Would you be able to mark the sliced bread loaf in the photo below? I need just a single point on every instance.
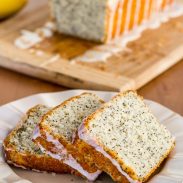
(105, 20)
(58, 127)
(125, 139)
(21, 151)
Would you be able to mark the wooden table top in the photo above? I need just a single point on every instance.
(167, 89)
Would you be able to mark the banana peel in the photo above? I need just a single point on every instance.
(10, 7)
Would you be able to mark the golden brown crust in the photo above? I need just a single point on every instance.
(111, 168)
(31, 161)
(158, 165)
(100, 161)
(35, 162)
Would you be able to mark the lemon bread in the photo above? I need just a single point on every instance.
(104, 20)
(124, 139)
(58, 127)
(21, 151)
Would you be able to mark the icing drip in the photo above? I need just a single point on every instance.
(137, 13)
(29, 38)
(120, 13)
(64, 156)
(128, 16)
(83, 135)
(96, 55)
(112, 7)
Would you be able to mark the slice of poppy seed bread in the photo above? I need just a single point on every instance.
(58, 127)
(21, 151)
(125, 139)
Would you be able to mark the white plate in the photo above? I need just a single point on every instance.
(10, 114)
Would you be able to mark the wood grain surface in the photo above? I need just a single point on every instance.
(149, 56)
(167, 89)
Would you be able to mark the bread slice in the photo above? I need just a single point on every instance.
(22, 152)
(58, 127)
(125, 139)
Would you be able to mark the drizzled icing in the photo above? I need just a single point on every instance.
(63, 155)
(83, 135)
(95, 55)
(112, 6)
(31, 38)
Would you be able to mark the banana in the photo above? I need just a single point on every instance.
(10, 7)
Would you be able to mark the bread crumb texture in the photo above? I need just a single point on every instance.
(128, 128)
(22, 138)
(66, 118)
(78, 17)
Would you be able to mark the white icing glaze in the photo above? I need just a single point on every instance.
(122, 41)
(29, 38)
(119, 44)
(64, 156)
(83, 135)
(158, 4)
(112, 6)
(49, 138)
(146, 10)
(120, 13)
(102, 53)
(128, 16)
(137, 13)
(108, 48)
(73, 163)
(45, 32)
(55, 156)
(51, 26)
(92, 56)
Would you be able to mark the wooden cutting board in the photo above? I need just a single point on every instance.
(149, 56)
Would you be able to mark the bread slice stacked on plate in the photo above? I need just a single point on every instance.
(57, 128)
(84, 136)
(124, 139)
(22, 152)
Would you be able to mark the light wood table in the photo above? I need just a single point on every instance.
(167, 89)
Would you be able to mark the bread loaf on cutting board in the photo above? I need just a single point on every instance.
(104, 20)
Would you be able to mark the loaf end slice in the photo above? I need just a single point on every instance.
(21, 151)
